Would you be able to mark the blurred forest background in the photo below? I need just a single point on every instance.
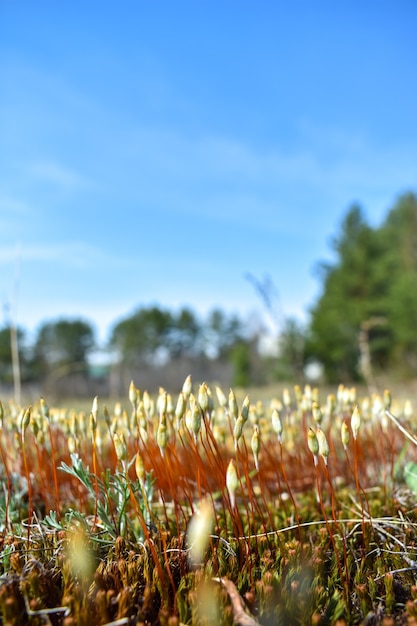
(362, 326)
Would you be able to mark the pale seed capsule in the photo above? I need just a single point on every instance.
(139, 468)
(345, 435)
(198, 532)
(286, 398)
(25, 419)
(323, 444)
(162, 437)
(44, 408)
(253, 415)
(40, 437)
(133, 394)
(73, 423)
(260, 409)
(132, 422)
(276, 404)
(143, 434)
(238, 429)
(93, 424)
(355, 421)
(210, 401)
(141, 417)
(125, 420)
(308, 393)
(189, 420)
(35, 424)
(192, 402)
(120, 447)
(113, 426)
(193, 417)
(315, 395)
(221, 397)
(305, 404)
(232, 482)
(277, 424)
(331, 404)
(256, 446)
(180, 408)
(202, 398)
(170, 404)
(298, 394)
(43, 425)
(219, 434)
(317, 413)
(196, 421)
(187, 386)
(313, 444)
(339, 395)
(99, 440)
(107, 417)
(244, 411)
(233, 407)
(148, 404)
(377, 405)
(346, 397)
(94, 408)
(161, 402)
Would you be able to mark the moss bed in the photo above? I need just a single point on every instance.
(199, 509)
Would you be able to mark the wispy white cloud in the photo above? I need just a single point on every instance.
(12, 211)
(318, 159)
(54, 173)
(224, 177)
(227, 158)
(221, 177)
(74, 254)
(13, 214)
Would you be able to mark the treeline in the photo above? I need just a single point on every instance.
(59, 359)
(363, 324)
(365, 321)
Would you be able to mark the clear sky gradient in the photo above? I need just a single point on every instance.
(153, 152)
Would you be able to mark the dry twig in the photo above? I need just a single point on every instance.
(240, 615)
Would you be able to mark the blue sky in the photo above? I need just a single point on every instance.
(155, 152)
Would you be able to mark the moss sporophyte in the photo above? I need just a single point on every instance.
(205, 507)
